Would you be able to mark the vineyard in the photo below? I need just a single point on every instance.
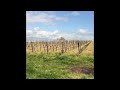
(60, 46)
(60, 59)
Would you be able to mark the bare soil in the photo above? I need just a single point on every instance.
(84, 70)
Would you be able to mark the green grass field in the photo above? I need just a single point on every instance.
(56, 66)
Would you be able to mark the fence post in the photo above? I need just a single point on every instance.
(40, 45)
(62, 51)
(79, 47)
(65, 46)
(32, 46)
(47, 46)
(44, 47)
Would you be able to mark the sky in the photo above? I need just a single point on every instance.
(50, 25)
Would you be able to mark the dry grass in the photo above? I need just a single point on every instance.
(89, 50)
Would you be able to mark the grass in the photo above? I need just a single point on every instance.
(55, 66)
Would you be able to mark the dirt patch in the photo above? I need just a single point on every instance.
(84, 70)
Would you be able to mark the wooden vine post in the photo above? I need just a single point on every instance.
(47, 46)
(32, 46)
(62, 51)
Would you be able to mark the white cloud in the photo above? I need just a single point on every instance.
(85, 34)
(44, 18)
(39, 34)
(41, 18)
(75, 13)
(36, 28)
(55, 32)
(83, 31)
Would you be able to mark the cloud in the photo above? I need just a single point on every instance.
(36, 28)
(75, 13)
(39, 34)
(48, 18)
(40, 18)
(83, 31)
(85, 34)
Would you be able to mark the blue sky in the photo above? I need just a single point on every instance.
(54, 24)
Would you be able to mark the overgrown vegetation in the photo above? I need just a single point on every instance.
(56, 66)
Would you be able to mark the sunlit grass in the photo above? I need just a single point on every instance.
(54, 66)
